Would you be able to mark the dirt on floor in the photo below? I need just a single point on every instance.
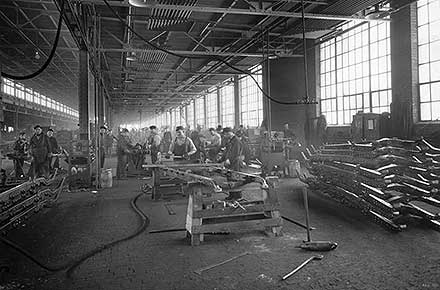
(368, 256)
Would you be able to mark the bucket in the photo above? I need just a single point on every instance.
(106, 178)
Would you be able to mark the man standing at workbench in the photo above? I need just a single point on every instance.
(154, 144)
(182, 146)
(123, 150)
(214, 144)
(234, 148)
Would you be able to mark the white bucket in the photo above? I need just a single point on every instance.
(106, 178)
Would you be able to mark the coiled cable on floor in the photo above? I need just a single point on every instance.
(70, 267)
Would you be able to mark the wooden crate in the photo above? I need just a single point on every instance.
(262, 214)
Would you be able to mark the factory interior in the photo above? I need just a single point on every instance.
(229, 144)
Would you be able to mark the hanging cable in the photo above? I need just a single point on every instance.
(50, 57)
(300, 102)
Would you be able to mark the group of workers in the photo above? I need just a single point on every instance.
(222, 145)
(42, 150)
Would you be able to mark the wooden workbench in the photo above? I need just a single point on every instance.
(165, 186)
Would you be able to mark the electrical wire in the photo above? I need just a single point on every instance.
(301, 102)
(71, 266)
(50, 57)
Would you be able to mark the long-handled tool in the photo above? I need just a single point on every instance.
(201, 270)
(315, 245)
(317, 257)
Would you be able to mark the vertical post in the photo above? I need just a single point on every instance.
(219, 108)
(237, 101)
(404, 73)
(83, 95)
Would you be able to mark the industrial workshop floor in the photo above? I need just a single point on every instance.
(368, 257)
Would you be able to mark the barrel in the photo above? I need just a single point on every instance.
(106, 178)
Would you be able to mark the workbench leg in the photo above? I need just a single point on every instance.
(156, 184)
(193, 224)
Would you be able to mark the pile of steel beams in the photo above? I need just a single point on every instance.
(20, 202)
(396, 182)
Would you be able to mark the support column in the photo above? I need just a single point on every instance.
(237, 102)
(219, 109)
(266, 102)
(83, 96)
(287, 84)
(404, 73)
(100, 105)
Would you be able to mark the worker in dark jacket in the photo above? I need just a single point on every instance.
(123, 151)
(232, 157)
(40, 150)
(54, 161)
(20, 152)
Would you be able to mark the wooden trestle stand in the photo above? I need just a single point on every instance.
(262, 214)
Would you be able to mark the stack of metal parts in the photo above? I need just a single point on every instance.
(393, 181)
(21, 201)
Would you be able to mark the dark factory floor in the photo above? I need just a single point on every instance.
(368, 257)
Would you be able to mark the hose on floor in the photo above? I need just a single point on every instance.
(70, 267)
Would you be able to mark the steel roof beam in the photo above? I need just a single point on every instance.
(193, 52)
(237, 11)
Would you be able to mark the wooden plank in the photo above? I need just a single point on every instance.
(222, 212)
(260, 224)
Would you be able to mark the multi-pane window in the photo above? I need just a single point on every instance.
(8, 87)
(200, 112)
(227, 105)
(251, 99)
(190, 115)
(355, 70)
(211, 109)
(428, 21)
(19, 91)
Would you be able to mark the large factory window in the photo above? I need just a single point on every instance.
(200, 112)
(428, 21)
(355, 72)
(190, 115)
(19, 91)
(211, 109)
(227, 105)
(8, 87)
(251, 99)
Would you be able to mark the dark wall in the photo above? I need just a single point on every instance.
(286, 81)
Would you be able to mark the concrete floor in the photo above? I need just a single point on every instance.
(368, 257)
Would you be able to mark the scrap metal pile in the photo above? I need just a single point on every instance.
(393, 181)
(21, 201)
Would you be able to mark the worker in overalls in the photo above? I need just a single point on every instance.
(54, 160)
(41, 151)
(154, 144)
(182, 147)
(233, 156)
(214, 144)
(20, 152)
(123, 150)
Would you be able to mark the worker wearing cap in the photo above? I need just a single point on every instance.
(154, 144)
(20, 151)
(232, 157)
(123, 150)
(182, 146)
(214, 144)
(54, 161)
(40, 149)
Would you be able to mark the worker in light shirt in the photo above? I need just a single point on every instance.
(154, 144)
(182, 146)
